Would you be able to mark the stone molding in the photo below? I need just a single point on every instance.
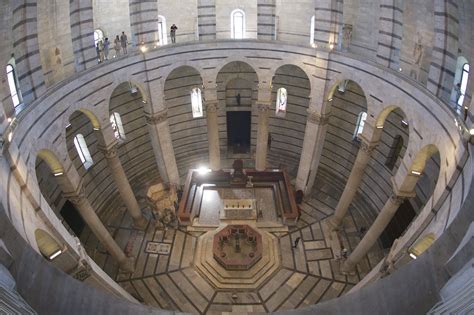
(156, 118)
(316, 118)
(110, 152)
(78, 196)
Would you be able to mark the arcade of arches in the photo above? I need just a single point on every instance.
(241, 169)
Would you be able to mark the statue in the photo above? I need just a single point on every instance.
(347, 36)
(418, 56)
(238, 176)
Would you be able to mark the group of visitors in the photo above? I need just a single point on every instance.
(120, 45)
(103, 46)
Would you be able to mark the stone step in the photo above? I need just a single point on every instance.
(218, 280)
(241, 275)
(207, 247)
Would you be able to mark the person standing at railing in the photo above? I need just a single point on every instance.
(124, 42)
(117, 46)
(173, 33)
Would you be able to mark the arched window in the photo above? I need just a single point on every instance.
(463, 84)
(237, 24)
(117, 126)
(162, 35)
(311, 31)
(360, 124)
(280, 106)
(98, 35)
(83, 151)
(196, 103)
(12, 83)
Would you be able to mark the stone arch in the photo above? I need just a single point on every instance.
(220, 66)
(179, 65)
(47, 245)
(188, 132)
(138, 84)
(231, 140)
(51, 160)
(287, 129)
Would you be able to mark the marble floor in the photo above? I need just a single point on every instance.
(308, 274)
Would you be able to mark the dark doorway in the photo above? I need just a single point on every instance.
(238, 131)
(399, 223)
(72, 218)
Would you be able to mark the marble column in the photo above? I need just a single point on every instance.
(262, 136)
(213, 136)
(315, 132)
(163, 146)
(374, 232)
(124, 188)
(78, 198)
(353, 182)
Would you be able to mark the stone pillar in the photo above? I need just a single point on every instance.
(315, 132)
(390, 33)
(353, 182)
(82, 33)
(144, 21)
(78, 198)
(374, 232)
(328, 17)
(163, 146)
(26, 49)
(126, 192)
(262, 136)
(213, 136)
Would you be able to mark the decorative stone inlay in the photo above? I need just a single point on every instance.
(317, 118)
(237, 247)
(83, 271)
(156, 118)
(158, 248)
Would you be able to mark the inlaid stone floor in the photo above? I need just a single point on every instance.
(308, 273)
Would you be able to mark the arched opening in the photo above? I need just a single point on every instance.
(83, 151)
(117, 126)
(49, 248)
(188, 133)
(288, 122)
(311, 30)
(237, 93)
(135, 150)
(461, 78)
(237, 24)
(426, 167)
(13, 83)
(359, 127)
(162, 31)
(98, 36)
(196, 103)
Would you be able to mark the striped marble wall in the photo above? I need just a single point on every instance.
(144, 21)
(445, 49)
(266, 19)
(206, 19)
(26, 49)
(82, 33)
(328, 21)
(390, 33)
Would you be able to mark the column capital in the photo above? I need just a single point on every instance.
(78, 196)
(156, 118)
(211, 107)
(317, 118)
(109, 152)
(367, 147)
(263, 107)
(396, 199)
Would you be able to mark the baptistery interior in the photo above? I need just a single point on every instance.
(223, 157)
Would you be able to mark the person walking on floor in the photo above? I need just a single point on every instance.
(173, 33)
(106, 48)
(124, 42)
(117, 46)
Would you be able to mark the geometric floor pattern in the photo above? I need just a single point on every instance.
(307, 275)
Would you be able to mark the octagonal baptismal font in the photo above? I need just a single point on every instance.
(237, 247)
(237, 256)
